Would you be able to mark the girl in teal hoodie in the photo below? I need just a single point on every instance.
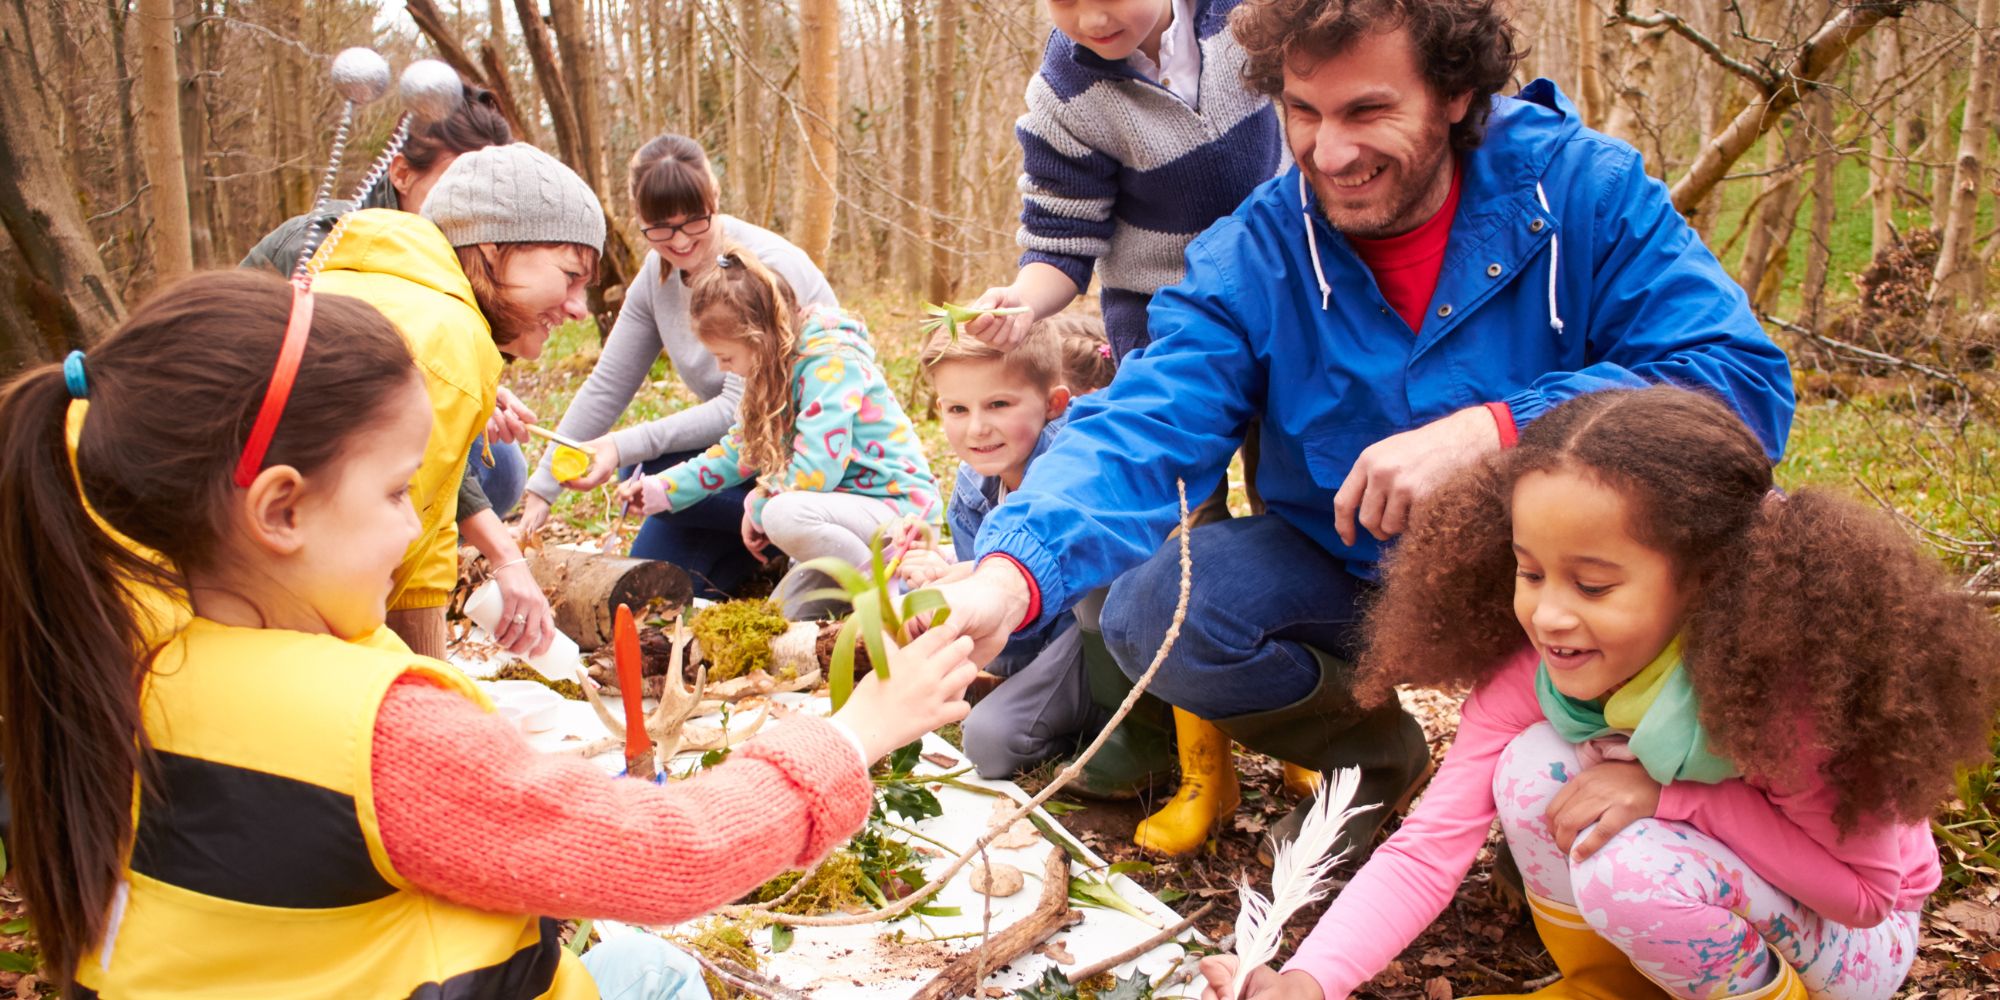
(832, 451)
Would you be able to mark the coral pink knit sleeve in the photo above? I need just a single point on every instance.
(469, 812)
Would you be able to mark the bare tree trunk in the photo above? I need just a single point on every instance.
(1944, 98)
(750, 115)
(1711, 90)
(580, 71)
(59, 283)
(160, 129)
(1632, 107)
(1953, 280)
(743, 121)
(195, 53)
(1884, 176)
(295, 180)
(1825, 51)
(128, 115)
(819, 74)
(911, 240)
(1819, 247)
(1589, 69)
(1766, 248)
(944, 64)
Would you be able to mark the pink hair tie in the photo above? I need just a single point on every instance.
(1104, 350)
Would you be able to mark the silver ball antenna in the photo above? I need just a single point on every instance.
(431, 90)
(360, 74)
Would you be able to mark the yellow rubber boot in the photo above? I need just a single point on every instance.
(1788, 986)
(1300, 782)
(1208, 794)
(1592, 968)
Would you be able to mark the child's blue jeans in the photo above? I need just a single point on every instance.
(706, 539)
(642, 967)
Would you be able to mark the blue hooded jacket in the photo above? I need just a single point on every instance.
(1567, 271)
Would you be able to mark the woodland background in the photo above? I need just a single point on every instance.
(1838, 155)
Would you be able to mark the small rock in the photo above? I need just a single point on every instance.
(996, 879)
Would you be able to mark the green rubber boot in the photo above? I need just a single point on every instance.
(1140, 752)
(1326, 730)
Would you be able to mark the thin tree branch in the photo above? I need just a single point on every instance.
(1762, 80)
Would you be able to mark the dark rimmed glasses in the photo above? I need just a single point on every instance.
(663, 232)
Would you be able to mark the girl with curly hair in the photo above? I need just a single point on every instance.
(1711, 718)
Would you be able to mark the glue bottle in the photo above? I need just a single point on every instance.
(563, 659)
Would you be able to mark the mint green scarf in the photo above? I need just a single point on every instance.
(1656, 711)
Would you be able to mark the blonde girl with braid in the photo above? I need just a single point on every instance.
(831, 450)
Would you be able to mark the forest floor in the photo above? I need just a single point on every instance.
(1864, 436)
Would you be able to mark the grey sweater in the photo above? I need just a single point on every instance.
(654, 319)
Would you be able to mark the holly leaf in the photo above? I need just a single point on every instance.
(1052, 986)
(1134, 987)
(912, 802)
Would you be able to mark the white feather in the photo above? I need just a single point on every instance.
(1298, 876)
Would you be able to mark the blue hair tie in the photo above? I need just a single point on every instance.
(79, 387)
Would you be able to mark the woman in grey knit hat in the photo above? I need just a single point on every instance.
(506, 244)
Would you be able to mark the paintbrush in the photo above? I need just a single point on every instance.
(543, 432)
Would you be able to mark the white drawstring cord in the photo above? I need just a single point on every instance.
(1312, 244)
(1555, 251)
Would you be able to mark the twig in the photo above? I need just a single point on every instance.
(1863, 352)
(1052, 912)
(744, 979)
(1679, 26)
(1143, 947)
(1067, 774)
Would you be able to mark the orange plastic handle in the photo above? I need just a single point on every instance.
(625, 655)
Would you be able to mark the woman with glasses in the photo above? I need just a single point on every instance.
(674, 194)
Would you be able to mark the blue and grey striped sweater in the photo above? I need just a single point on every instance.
(1122, 175)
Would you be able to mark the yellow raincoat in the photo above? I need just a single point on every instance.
(402, 265)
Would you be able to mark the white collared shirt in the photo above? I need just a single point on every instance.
(1179, 68)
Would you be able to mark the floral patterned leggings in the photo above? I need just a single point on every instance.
(1691, 915)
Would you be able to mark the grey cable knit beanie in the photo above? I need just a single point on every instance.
(514, 194)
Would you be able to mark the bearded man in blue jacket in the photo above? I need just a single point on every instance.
(1554, 265)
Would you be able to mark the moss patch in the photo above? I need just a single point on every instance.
(522, 672)
(736, 636)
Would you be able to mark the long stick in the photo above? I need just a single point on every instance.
(1099, 968)
(543, 432)
(1069, 773)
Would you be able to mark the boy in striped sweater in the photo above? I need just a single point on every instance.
(1139, 133)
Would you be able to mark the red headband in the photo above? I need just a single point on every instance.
(280, 388)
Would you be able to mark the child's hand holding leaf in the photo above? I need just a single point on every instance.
(925, 690)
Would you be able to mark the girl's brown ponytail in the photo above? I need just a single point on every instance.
(69, 691)
(171, 399)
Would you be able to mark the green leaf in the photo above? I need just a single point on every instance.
(1133, 987)
(917, 602)
(1087, 891)
(18, 925)
(581, 939)
(1052, 986)
(1049, 832)
(1170, 895)
(870, 618)
(1057, 807)
(936, 911)
(904, 758)
(840, 672)
(18, 961)
(714, 757)
(1129, 868)
(781, 938)
(842, 571)
(912, 802)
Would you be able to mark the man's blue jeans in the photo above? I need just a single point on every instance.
(504, 483)
(1261, 591)
(706, 539)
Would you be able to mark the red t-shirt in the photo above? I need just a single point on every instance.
(1406, 267)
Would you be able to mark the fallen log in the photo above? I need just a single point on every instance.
(585, 589)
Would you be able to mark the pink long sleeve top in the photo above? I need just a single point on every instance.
(1787, 837)
(469, 812)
